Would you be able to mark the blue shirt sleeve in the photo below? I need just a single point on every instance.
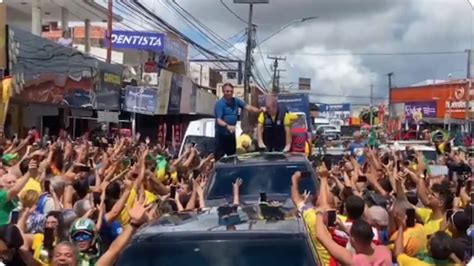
(241, 104)
(219, 110)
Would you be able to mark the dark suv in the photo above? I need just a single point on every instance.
(202, 240)
(267, 172)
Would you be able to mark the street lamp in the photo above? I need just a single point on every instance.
(286, 26)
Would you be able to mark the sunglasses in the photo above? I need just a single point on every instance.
(81, 237)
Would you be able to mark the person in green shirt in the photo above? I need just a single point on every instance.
(11, 187)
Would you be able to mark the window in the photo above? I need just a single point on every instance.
(234, 252)
(231, 75)
(272, 179)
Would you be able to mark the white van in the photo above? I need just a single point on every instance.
(201, 132)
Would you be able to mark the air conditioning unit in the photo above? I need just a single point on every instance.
(150, 79)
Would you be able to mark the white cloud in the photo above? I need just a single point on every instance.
(350, 27)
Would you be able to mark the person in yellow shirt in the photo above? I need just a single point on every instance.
(440, 251)
(124, 218)
(415, 240)
(309, 214)
(437, 200)
(32, 184)
(273, 129)
(244, 142)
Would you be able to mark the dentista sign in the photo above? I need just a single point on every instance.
(150, 41)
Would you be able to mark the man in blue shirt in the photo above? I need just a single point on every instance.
(226, 112)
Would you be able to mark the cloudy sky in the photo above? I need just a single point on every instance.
(352, 44)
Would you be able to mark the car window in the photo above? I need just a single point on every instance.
(205, 145)
(275, 252)
(272, 179)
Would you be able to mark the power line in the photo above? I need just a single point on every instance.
(201, 27)
(261, 56)
(347, 96)
(159, 21)
(373, 54)
(232, 12)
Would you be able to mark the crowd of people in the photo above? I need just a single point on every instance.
(79, 202)
(395, 207)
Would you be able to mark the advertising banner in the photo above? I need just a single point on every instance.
(46, 72)
(175, 94)
(304, 84)
(418, 110)
(150, 41)
(164, 89)
(106, 94)
(140, 100)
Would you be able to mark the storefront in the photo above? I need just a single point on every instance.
(164, 111)
(58, 87)
(443, 101)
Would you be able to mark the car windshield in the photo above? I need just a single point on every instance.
(274, 252)
(272, 179)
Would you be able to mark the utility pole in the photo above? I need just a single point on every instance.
(109, 30)
(390, 94)
(469, 88)
(279, 78)
(275, 70)
(248, 56)
(371, 103)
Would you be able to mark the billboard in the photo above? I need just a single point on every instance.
(142, 100)
(419, 110)
(304, 84)
(136, 40)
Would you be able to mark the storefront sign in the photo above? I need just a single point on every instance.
(141, 100)
(150, 41)
(415, 110)
(106, 94)
(457, 106)
(109, 117)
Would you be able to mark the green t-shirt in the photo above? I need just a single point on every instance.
(5, 207)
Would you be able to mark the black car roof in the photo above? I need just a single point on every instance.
(262, 157)
(207, 223)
